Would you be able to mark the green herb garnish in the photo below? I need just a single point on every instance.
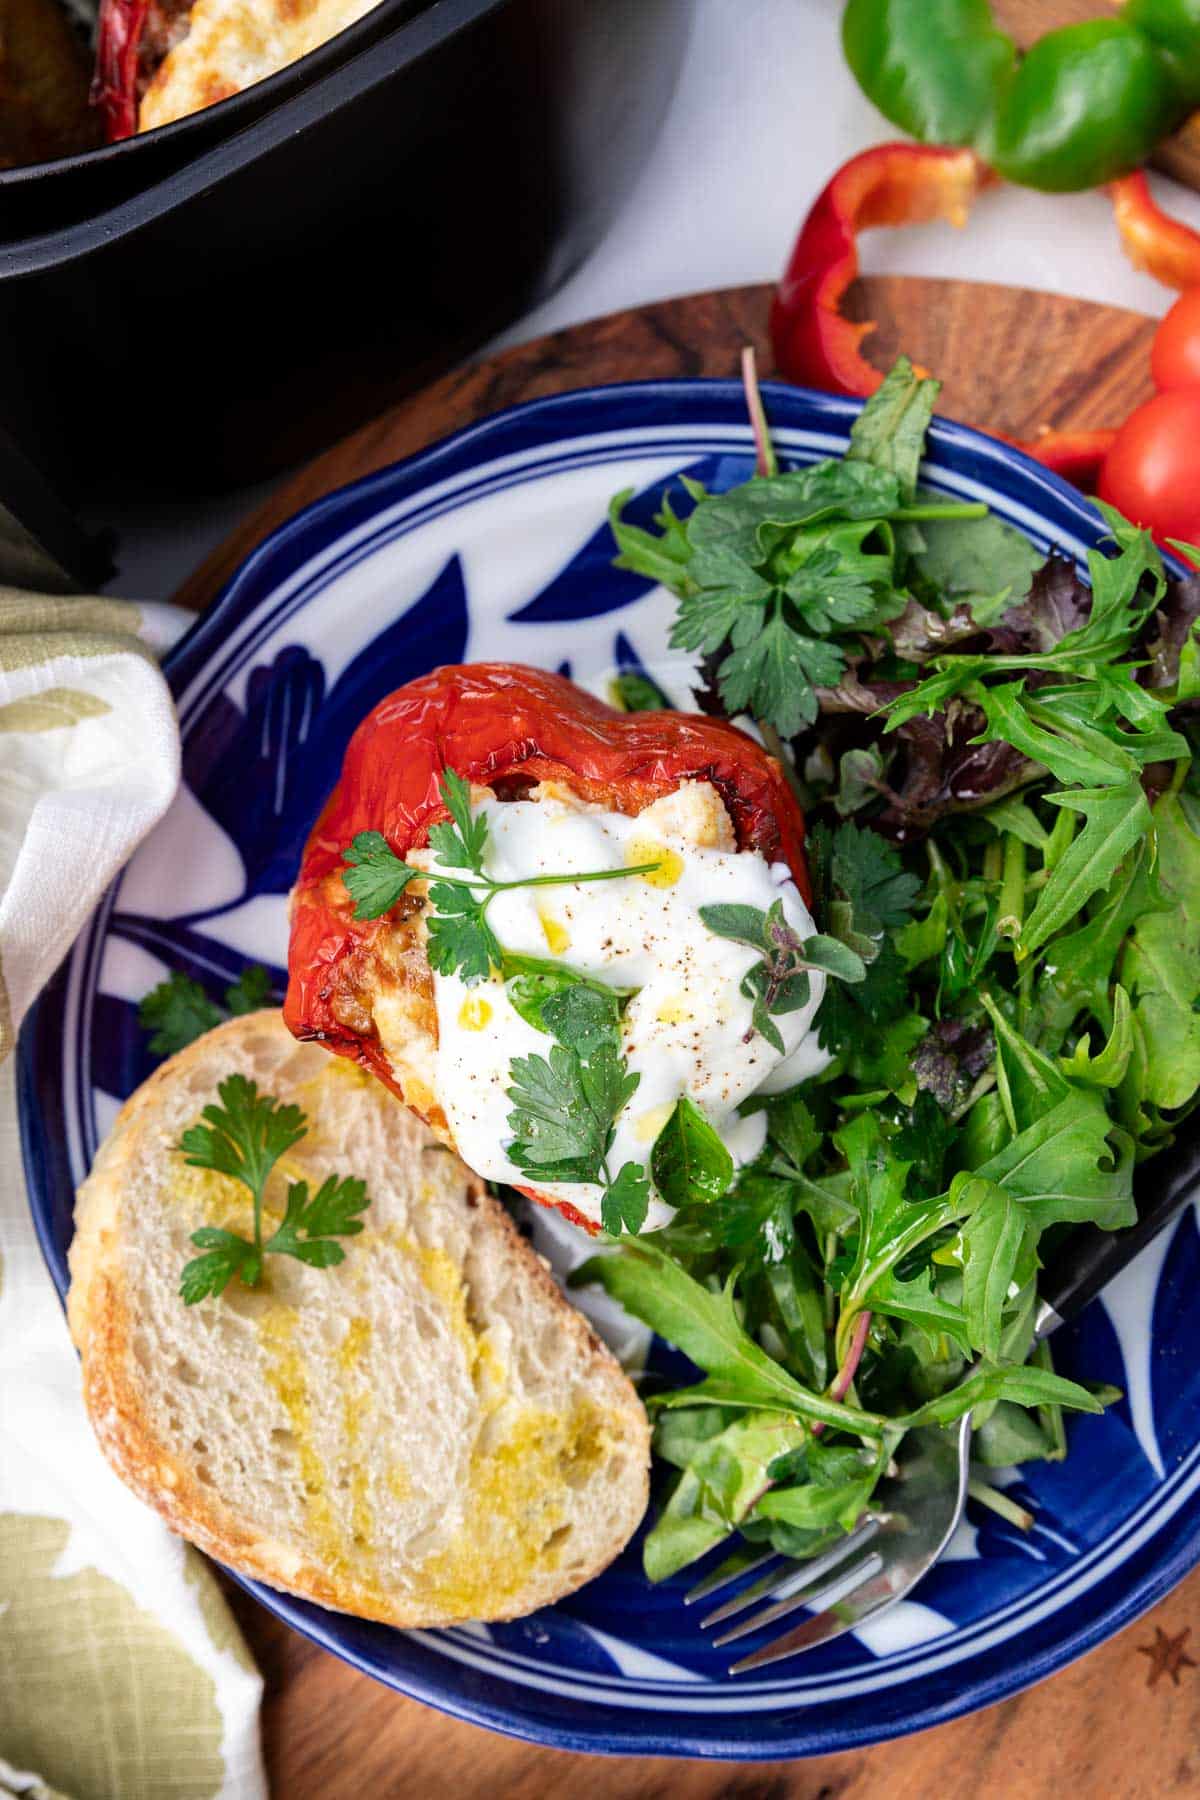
(460, 940)
(178, 1010)
(779, 983)
(244, 1137)
(1000, 768)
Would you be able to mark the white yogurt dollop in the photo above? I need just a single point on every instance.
(685, 1030)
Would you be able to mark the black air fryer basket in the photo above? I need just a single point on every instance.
(208, 303)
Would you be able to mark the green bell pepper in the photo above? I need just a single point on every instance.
(1089, 102)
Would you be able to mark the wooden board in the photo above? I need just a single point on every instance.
(1125, 1722)
(1010, 360)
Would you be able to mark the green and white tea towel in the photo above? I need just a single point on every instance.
(122, 1673)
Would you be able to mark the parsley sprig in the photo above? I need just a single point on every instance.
(460, 941)
(772, 574)
(178, 1010)
(244, 1137)
(565, 1105)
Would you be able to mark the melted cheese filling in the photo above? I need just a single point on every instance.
(685, 1029)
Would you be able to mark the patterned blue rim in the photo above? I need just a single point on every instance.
(1148, 1554)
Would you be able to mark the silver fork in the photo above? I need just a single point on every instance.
(916, 1509)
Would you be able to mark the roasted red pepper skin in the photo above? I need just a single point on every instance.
(506, 725)
(119, 29)
(894, 184)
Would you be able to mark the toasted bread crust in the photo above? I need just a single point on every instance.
(103, 1323)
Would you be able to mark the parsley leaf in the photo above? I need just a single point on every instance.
(460, 940)
(310, 1227)
(244, 1136)
(375, 877)
(226, 1255)
(177, 1012)
(249, 992)
(459, 845)
(626, 1201)
(774, 672)
(564, 1110)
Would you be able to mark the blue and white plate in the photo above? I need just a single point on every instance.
(494, 545)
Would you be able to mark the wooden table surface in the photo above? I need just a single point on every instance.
(1125, 1721)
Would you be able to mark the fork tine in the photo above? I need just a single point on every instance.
(790, 1576)
(844, 1582)
(741, 1562)
(849, 1609)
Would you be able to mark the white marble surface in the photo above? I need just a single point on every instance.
(764, 112)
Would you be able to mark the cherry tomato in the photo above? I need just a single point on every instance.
(1152, 472)
(1175, 355)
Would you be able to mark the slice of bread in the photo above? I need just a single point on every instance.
(426, 1433)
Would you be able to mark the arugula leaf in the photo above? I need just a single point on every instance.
(841, 1485)
(1073, 1165)
(662, 559)
(889, 432)
(993, 1239)
(309, 1228)
(689, 1162)
(891, 1225)
(1116, 818)
(1161, 964)
(1107, 1068)
(922, 1303)
(705, 1326)
(244, 1136)
(1027, 1385)
(722, 1479)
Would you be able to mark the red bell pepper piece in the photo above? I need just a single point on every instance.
(895, 184)
(119, 29)
(1076, 455)
(1164, 247)
(505, 727)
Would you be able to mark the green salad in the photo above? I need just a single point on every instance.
(998, 766)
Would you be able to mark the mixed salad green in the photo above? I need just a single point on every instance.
(998, 764)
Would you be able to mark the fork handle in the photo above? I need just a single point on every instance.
(1090, 1258)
